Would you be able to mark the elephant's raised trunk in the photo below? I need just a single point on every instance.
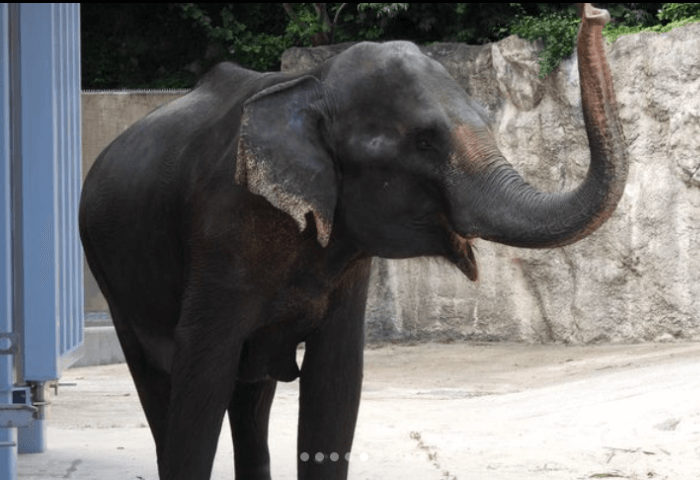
(514, 213)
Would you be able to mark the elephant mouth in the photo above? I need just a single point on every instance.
(462, 255)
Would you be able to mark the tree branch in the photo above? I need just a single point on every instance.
(322, 12)
(335, 22)
(290, 11)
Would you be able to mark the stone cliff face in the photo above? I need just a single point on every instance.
(635, 279)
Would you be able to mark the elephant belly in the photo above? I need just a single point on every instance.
(298, 308)
(271, 353)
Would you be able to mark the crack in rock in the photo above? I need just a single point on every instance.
(432, 453)
(73, 468)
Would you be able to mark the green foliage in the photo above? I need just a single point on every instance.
(673, 15)
(259, 51)
(122, 47)
(308, 24)
(557, 31)
(168, 45)
(383, 9)
(629, 15)
(679, 11)
(383, 13)
(613, 33)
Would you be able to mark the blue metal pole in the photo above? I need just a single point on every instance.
(50, 182)
(40, 119)
(39, 193)
(8, 436)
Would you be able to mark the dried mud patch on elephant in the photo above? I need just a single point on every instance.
(432, 453)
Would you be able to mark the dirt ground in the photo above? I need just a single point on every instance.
(437, 412)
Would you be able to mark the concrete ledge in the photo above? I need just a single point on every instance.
(101, 347)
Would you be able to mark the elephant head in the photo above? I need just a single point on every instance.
(382, 143)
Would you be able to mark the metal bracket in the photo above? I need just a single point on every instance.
(55, 386)
(21, 412)
(14, 342)
(14, 416)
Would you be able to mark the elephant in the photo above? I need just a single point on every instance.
(233, 224)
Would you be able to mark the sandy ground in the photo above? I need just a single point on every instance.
(437, 412)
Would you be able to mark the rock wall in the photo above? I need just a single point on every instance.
(635, 279)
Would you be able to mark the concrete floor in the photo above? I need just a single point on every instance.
(437, 412)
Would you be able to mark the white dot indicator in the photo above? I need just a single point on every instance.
(364, 457)
(334, 457)
(347, 457)
(304, 457)
(319, 457)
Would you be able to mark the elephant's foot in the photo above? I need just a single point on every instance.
(254, 473)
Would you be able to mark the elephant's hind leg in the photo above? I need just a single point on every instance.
(152, 384)
(249, 415)
(129, 307)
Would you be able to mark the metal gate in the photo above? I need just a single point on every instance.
(41, 284)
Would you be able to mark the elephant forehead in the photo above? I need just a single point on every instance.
(372, 55)
(396, 64)
(473, 149)
(384, 82)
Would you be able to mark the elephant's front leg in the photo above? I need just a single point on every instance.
(208, 347)
(249, 414)
(331, 382)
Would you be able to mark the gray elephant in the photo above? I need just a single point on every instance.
(240, 220)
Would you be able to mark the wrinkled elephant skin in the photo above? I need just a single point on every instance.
(240, 220)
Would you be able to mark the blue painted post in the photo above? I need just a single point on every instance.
(51, 179)
(39, 202)
(8, 436)
(39, 195)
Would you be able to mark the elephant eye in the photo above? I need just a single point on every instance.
(427, 139)
(424, 144)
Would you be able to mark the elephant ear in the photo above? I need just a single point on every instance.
(281, 155)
